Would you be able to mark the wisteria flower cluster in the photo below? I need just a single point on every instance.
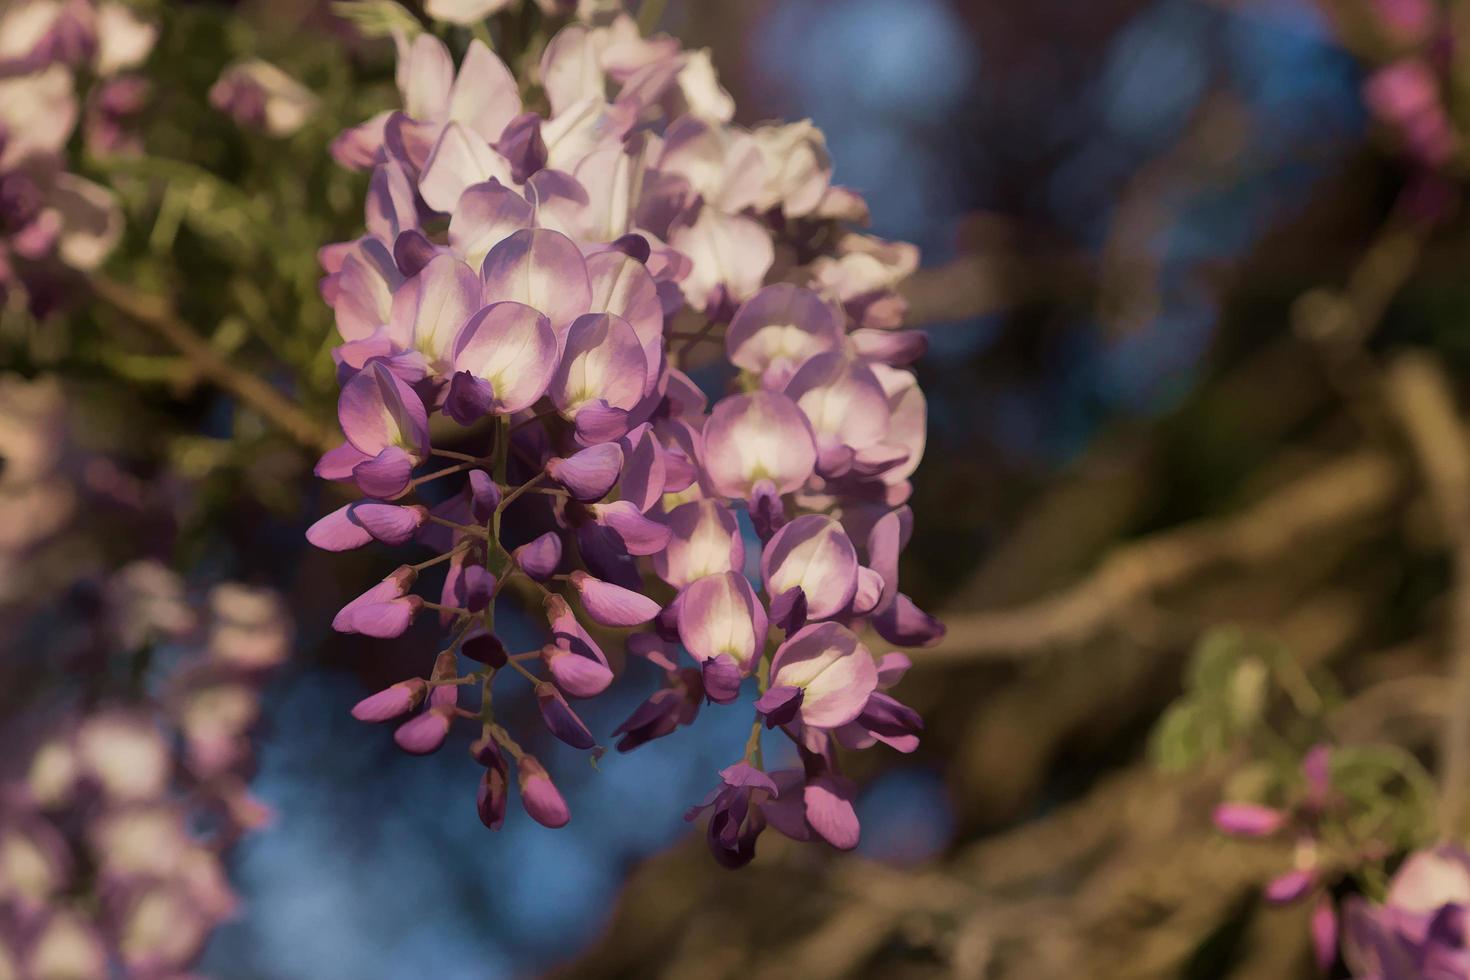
(49, 216)
(111, 839)
(130, 702)
(538, 278)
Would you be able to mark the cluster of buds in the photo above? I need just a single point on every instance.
(1304, 822)
(113, 831)
(1410, 46)
(48, 215)
(536, 283)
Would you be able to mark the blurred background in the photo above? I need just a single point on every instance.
(1169, 261)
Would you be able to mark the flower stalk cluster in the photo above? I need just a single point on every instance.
(547, 265)
(62, 63)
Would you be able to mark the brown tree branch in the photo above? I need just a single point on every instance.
(156, 314)
(1348, 490)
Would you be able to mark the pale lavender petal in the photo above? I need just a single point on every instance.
(338, 531)
(895, 347)
(589, 474)
(891, 668)
(720, 615)
(1290, 886)
(1324, 933)
(542, 269)
(459, 160)
(424, 733)
(869, 591)
(640, 535)
(391, 702)
(731, 254)
(570, 70)
(643, 476)
(485, 96)
(511, 346)
(843, 400)
(621, 285)
(829, 811)
(391, 209)
(430, 309)
(613, 605)
(541, 557)
(575, 660)
(813, 554)
(377, 410)
(424, 74)
(559, 201)
(1248, 819)
(337, 464)
(386, 474)
(886, 541)
(778, 329)
(361, 146)
(705, 540)
(389, 523)
(385, 620)
(486, 214)
(539, 795)
(758, 436)
(835, 669)
(602, 362)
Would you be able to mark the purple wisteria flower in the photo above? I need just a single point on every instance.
(539, 268)
(1420, 929)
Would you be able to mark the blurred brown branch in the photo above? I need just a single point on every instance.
(156, 314)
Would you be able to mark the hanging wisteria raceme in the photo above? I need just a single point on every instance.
(537, 278)
(130, 702)
(50, 218)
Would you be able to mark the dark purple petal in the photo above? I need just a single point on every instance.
(539, 795)
(789, 610)
(889, 717)
(779, 705)
(721, 677)
(425, 733)
(521, 144)
(391, 702)
(767, 510)
(412, 250)
(484, 647)
(560, 719)
(484, 496)
(588, 475)
(634, 246)
(491, 798)
(470, 398)
(905, 624)
(613, 605)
